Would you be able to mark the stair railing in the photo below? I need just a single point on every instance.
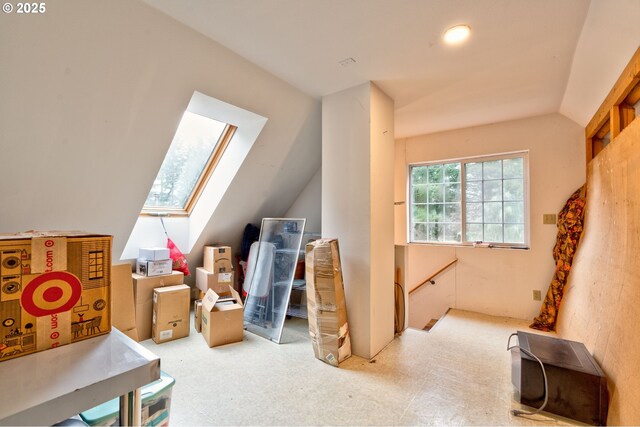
(429, 280)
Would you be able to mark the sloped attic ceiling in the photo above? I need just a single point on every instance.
(514, 65)
(517, 63)
(89, 114)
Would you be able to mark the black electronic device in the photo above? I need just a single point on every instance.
(576, 386)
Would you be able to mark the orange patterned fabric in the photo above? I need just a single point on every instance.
(570, 223)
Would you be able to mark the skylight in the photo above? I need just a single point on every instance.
(197, 145)
(218, 143)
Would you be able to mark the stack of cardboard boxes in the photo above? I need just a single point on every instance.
(217, 270)
(162, 300)
(219, 315)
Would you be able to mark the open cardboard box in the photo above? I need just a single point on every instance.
(222, 317)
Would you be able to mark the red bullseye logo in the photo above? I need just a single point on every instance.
(51, 293)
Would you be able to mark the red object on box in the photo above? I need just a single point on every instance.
(178, 258)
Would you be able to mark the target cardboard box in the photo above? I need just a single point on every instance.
(54, 290)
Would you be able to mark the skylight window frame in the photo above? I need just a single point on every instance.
(225, 138)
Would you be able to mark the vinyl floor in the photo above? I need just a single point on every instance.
(456, 374)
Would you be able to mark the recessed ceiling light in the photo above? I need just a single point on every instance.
(457, 34)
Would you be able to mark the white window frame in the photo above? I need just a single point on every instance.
(463, 220)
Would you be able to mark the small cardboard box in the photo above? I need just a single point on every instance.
(145, 267)
(217, 259)
(197, 315)
(143, 296)
(171, 314)
(55, 289)
(154, 254)
(219, 282)
(222, 317)
(327, 310)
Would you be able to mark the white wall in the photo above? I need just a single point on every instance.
(608, 40)
(357, 207)
(92, 93)
(309, 204)
(381, 213)
(400, 193)
(496, 281)
(346, 200)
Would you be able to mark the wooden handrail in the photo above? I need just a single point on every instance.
(430, 278)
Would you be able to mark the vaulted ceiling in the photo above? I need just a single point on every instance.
(517, 62)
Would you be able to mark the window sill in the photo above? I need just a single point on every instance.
(470, 245)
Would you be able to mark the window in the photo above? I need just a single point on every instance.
(471, 200)
(196, 148)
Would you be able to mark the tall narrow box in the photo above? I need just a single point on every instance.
(171, 315)
(123, 306)
(55, 289)
(326, 307)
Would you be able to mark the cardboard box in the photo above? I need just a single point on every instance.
(154, 254)
(55, 289)
(171, 314)
(326, 307)
(145, 267)
(222, 317)
(219, 282)
(197, 315)
(123, 307)
(143, 296)
(217, 259)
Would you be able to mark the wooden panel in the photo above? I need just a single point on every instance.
(621, 116)
(604, 130)
(634, 96)
(623, 86)
(597, 146)
(589, 150)
(627, 115)
(601, 306)
(616, 123)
